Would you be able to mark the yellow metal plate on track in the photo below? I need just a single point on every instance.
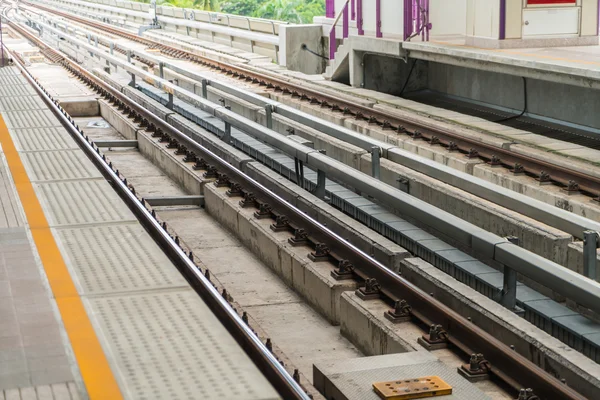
(415, 388)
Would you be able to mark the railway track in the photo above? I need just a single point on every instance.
(545, 172)
(501, 360)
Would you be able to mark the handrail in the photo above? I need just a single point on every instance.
(332, 43)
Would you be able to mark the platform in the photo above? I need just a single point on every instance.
(91, 305)
(575, 65)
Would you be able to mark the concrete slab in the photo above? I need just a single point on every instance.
(357, 384)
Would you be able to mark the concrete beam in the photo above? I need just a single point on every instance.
(191, 200)
(116, 143)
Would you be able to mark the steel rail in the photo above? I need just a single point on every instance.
(542, 169)
(566, 282)
(511, 367)
(558, 218)
(240, 331)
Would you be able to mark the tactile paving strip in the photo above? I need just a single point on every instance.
(57, 165)
(117, 258)
(10, 215)
(12, 80)
(21, 103)
(81, 202)
(30, 119)
(35, 139)
(17, 90)
(169, 345)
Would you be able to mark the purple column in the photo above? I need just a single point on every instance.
(345, 22)
(353, 10)
(330, 9)
(378, 18)
(359, 19)
(502, 19)
(407, 18)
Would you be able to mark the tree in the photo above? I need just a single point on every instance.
(241, 7)
(294, 11)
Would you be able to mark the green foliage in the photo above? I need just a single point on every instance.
(206, 5)
(293, 11)
(241, 7)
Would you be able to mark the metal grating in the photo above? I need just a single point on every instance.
(117, 258)
(58, 165)
(473, 273)
(169, 345)
(81, 202)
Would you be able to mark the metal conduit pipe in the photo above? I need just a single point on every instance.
(487, 245)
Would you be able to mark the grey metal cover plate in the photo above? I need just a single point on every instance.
(58, 165)
(81, 202)
(169, 345)
(116, 258)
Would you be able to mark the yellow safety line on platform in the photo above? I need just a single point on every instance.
(95, 370)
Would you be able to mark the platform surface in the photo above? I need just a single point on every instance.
(574, 61)
(91, 306)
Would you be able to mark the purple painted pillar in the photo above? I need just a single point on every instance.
(502, 19)
(345, 21)
(353, 10)
(330, 8)
(407, 18)
(359, 18)
(332, 44)
(378, 18)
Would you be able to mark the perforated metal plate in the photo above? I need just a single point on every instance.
(117, 258)
(35, 139)
(30, 119)
(169, 345)
(58, 165)
(412, 388)
(81, 202)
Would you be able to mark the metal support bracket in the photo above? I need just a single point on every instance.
(132, 82)
(170, 102)
(509, 287)
(204, 88)
(269, 115)
(375, 161)
(590, 245)
(299, 169)
(320, 189)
